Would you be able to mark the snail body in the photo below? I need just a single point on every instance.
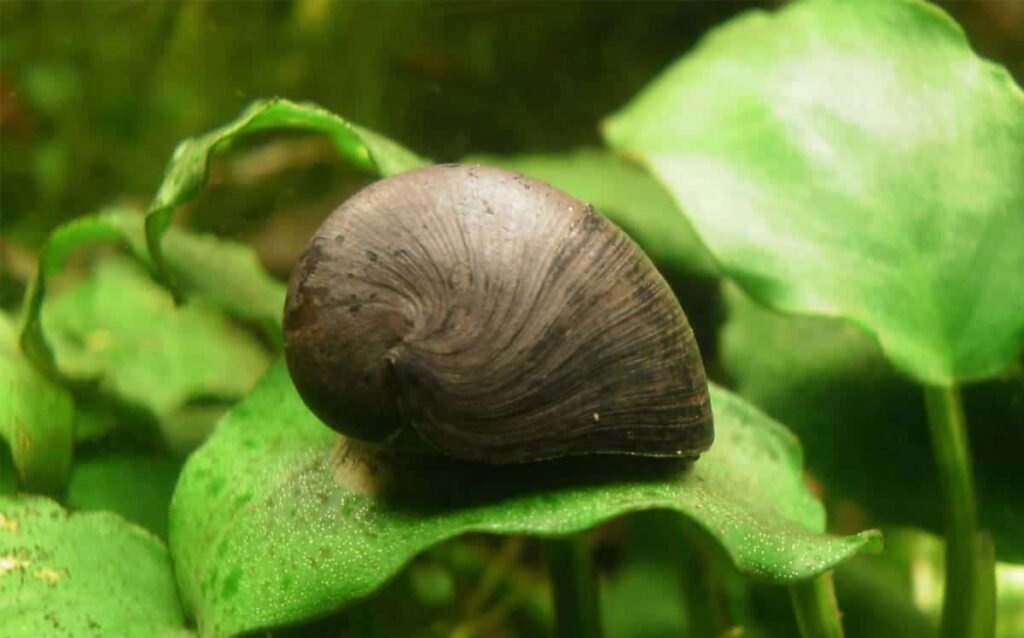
(490, 317)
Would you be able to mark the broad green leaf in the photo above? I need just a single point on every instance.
(62, 243)
(240, 286)
(277, 519)
(119, 328)
(135, 485)
(87, 574)
(35, 418)
(864, 426)
(189, 167)
(626, 194)
(853, 159)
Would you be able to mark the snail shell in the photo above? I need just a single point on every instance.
(491, 317)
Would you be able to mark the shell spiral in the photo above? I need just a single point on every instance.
(493, 318)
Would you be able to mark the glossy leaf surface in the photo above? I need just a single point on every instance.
(853, 159)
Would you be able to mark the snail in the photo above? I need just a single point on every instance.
(483, 315)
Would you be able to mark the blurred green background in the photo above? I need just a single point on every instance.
(94, 95)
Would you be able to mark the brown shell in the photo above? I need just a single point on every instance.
(493, 318)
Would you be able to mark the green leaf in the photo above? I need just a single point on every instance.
(864, 426)
(121, 329)
(8, 475)
(35, 418)
(626, 194)
(853, 159)
(227, 274)
(277, 519)
(82, 575)
(242, 288)
(60, 245)
(189, 168)
(135, 485)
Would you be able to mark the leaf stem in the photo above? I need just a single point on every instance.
(574, 587)
(816, 609)
(963, 607)
(497, 569)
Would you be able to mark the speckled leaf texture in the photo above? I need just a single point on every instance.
(853, 159)
(278, 519)
(82, 576)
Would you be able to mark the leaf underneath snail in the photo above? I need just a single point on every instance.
(490, 317)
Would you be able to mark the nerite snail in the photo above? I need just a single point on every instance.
(491, 317)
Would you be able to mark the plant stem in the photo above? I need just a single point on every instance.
(574, 587)
(963, 607)
(816, 609)
(497, 569)
(985, 572)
